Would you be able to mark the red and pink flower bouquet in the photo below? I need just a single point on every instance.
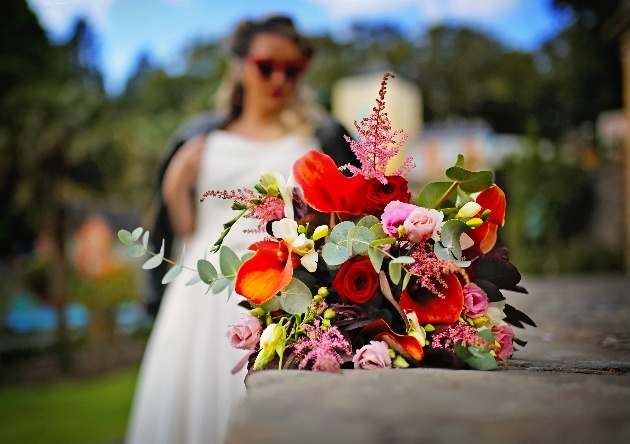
(351, 274)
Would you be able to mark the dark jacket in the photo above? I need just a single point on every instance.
(330, 135)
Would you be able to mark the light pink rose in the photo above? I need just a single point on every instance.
(246, 333)
(394, 214)
(505, 336)
(476, 301)
(372, 356)
(419, 225)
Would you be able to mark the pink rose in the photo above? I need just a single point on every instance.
(419, 225)
(476, 301)
(505, 337)
(246, 333)
(372, 356)
(394, 214)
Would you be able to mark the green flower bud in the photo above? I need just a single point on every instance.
(258, 187)
(273, 190)
(485, 214)
(474, 222)
(323, 292)
(400, 362)
(320, 232)
(469, 209)
(329, 313)
(429, 327)
(392, 353)
(258, 312)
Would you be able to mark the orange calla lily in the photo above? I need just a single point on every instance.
(493, 199)
(406, 345)
(485, 235)
(430, 308)
(327, 189)
(267, 272)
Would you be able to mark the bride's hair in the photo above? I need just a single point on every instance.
(301, 114)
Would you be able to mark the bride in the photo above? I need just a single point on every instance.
(186, 390)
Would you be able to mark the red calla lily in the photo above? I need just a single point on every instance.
(430, 308)
(267, 272)
(493, 199)
(327, 189)
(406, 345)
(485, 235)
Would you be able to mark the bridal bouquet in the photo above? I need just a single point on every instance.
(351, 274)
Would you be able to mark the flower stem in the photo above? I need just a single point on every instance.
(445, 195)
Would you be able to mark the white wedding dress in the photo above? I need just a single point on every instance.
(185, 391)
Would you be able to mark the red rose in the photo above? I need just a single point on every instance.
(377, 195)
(356, 281)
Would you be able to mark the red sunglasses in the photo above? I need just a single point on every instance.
(290, 68)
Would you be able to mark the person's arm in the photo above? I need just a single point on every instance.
(178, 186)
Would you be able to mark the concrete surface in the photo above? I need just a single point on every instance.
(571, 383)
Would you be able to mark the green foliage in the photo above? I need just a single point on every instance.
(78, 412)
(296, 297)
(479, 358)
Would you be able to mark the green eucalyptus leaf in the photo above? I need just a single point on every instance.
(486, 335)
(335, 255)
(135, 251)
(340, 232)
(470, 181)
(156, 260)
(194, 279)
(145, 240)
(404, 260)
(406, 280)
(450, 238)
(247, 255)
(125, 237)
(386, 240)
(135, 235)
(219, 285)
(228, 261)
(432, 194)
(272, 304)
(483, 362)
(395, 272)
(376, 256)
(230, 288)
(378, 232)
(172, 274)
(207, 272)
(368, 221)
(296, 297)
(359, 238)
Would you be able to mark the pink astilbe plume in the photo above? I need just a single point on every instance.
(459, 332)
(272, 208)
(430, 269)
(322, 348)
(377, 143)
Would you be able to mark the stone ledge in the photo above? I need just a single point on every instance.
(433, 405)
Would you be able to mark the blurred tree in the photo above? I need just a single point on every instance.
(582, 69)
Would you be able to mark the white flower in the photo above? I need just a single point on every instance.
(439, 217)
(309, 260)
(495, 317)
(415, 329)
(285, 188)
(306, 248)
(285, 229)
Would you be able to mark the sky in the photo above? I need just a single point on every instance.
(162, 28)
